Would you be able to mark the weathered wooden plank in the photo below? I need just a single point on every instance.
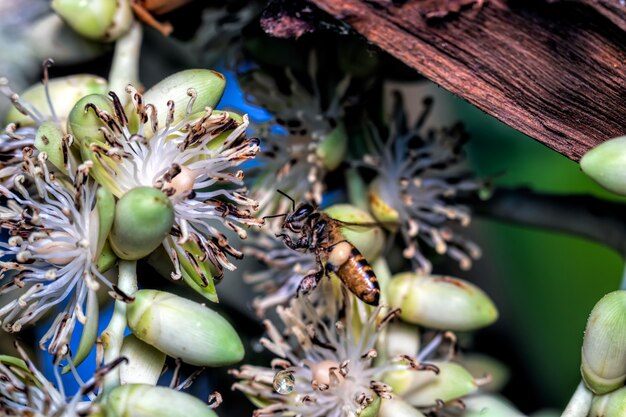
(555, 71)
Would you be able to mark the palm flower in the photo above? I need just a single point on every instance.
(329, 351)
(191, 161)
(25, 391)
(301, 143)
(286, 268)
(41, 113)
(55, 240)
(420, 174)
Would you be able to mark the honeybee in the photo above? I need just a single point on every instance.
(320, 234)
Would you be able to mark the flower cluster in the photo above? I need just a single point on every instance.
(191, 161)
(329, 349)
(301, 143)
(420, 174)
(61, 182)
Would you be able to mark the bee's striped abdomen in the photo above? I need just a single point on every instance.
(357, 274)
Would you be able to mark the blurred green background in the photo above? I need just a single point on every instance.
(545, 283)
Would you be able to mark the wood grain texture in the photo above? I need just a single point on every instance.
(555, 71)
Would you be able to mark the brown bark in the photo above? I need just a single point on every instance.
(553, 70)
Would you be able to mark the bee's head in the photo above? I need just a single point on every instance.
(296, 220)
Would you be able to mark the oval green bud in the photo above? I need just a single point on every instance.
(603, 365)
(102, 20)
(483, 365)
(143, 218)
(144, 364)
(138, 400)
(157, 317)
(441, 302)
(83, 123)
(605, 164)
(609, 405)
(107, 258)
(64, 93)
(50, 139)
(333, 147)
(426, 388)
(398, 339)
(105, 210)
(368, 239)
(379, 207)
(397, 407)
(208, 85)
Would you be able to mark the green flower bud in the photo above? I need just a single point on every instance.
(605, 164)
(137, 400)
(143, 218)
(107, 258)
(51, 140)
(441, 302)
(425, 388)
(609, 405)
(156, 317)
(379, 207)
(604, 345)
(64, 93)
(371, 410)
(333, 147)
(144, 365)
(368, 239)
(196, 269)
(489, 406)
(483, 365)
(397, 407)
(105, 210)
(83, 123)
(102, 20)
(208, 85)
(399, 338)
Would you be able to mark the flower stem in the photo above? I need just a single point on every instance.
(580, 403)
(125, 66)
(113, 335)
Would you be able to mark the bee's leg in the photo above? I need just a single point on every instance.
(300, 244)
(309, 283)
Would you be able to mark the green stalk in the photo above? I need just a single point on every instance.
(113, 336)
(580, 403)
(125, 66)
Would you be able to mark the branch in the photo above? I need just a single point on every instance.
(583, 215)
(553, 70)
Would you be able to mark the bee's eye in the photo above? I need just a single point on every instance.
(303, 211)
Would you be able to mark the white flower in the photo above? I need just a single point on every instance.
(25, 391)
(52, 249)
(293, 159)
(420, 173)
(192, 162)
(329, 349)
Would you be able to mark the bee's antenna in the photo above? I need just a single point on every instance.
(293, 203)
